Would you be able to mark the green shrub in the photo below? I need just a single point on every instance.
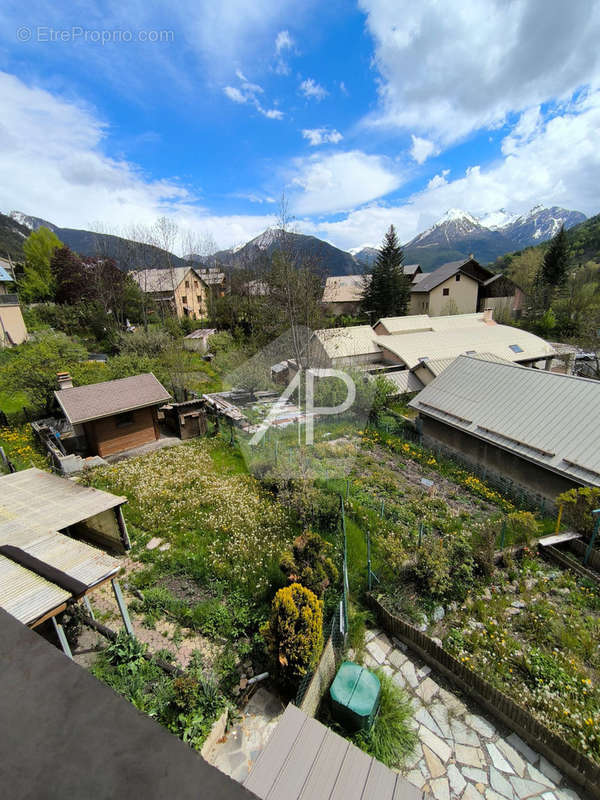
(392, 739)
(521, 527)
(310, 563)
(578, 506)
(444, 566)
(294, 633)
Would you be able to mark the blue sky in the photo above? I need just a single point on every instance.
(362, 114)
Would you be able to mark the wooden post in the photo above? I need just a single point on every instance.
(62, 638)
(123, 528)
(558, 518)
(122, 606)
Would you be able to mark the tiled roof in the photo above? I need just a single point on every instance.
(97, 400)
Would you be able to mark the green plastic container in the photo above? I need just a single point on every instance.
(355, 694)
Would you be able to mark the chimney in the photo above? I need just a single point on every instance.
(488, 315)
(65, 381)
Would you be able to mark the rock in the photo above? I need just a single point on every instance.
(513, 758)
(457, 782)
(474, 774)
(437, 641)
(424, 717)
(462, 734)
(416, 778)
(480, 725)
(409, 673)
(486, 595)
(513, 611)
(423, 672)
(439, 789)
(498, 759)
(539, 777)
(518, 743)
(153, 543)
(470, 756)
(439, 747)
(427, 690)
(471, 793)
(549, 770)
(376, 651)
(452, 606)
(396, 658)
(438, 613)
(500, 784)
(525, 788)
(434, 765)
(518, 604)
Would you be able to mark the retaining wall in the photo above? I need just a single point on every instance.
(320, 681)
(569, 761)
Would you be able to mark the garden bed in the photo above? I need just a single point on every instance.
(532, 632)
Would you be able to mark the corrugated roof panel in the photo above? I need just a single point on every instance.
(546, 417)
(25, 595)
(356, 340)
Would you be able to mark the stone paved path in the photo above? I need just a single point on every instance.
(461, 754)
(244, 741)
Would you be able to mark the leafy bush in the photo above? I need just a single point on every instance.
(444, 566)
(392, 739)
(294, 634)
(144, 343)
(578, 506)
(310, 563)
(521, 527)
(483, 542)
(126, 652)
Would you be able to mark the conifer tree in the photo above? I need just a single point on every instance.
(386, 290)
(555, 264)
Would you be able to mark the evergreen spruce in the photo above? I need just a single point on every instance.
(556, 261)
(386, 290)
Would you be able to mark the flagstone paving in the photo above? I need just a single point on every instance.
(241, 746)
(461, 754)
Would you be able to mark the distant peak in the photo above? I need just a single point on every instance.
(457, 213)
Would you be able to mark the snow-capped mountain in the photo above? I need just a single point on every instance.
(33, 223)
(365, 255)
(541, 224)
(458, 234)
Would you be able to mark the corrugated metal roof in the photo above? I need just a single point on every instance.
(305, 760)
(346, 342)
(97, 400)
(450, 343)
(438, 365)
(25, 595)
(405, 381)
(545, 417)
(44, 502)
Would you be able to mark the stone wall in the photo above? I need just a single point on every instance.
(320, 681)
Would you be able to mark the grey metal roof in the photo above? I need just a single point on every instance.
(162, 280)
(97, 400)
(405, 381)
(438, 365)
(432, 279)
(304, 759)
(548, 418)
(201, 333)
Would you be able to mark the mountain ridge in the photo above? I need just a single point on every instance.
(456, 235)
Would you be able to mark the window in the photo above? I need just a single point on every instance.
(458, 276)
(195, 284)
(515, 348)
(445, 292)
(199, 299)
(121, 420)
(187, 284)
(184, 298)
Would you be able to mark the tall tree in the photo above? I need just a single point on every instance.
(386, 290)
(554, 268)
(37, 282)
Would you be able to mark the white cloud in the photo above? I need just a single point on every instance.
(554, 162)
(422, 149)
(248, 93)
(235, 94)
(52, 165)
(327, 184)
(283, 41)
(317, 136)
(447, 74)
(311, 89)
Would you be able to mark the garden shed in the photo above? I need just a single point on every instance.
(114, 415)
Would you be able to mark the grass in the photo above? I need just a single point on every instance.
(12, 403)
